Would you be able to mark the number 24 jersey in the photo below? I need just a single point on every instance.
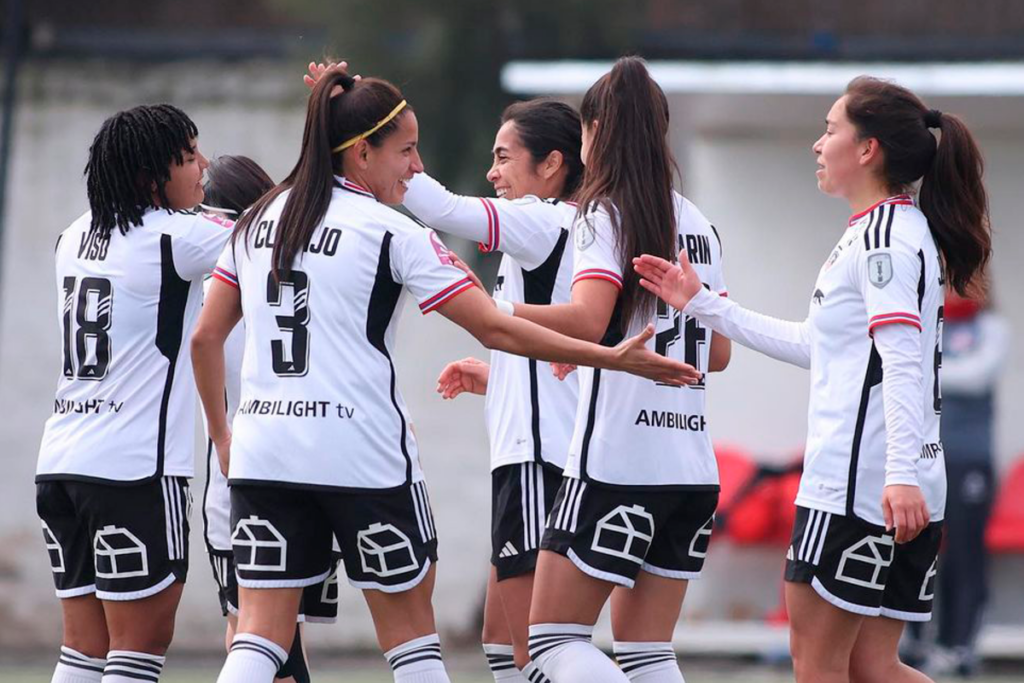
(319, 404)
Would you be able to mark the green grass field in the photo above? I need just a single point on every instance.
(463, 668)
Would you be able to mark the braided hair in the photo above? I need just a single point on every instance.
(132, 152)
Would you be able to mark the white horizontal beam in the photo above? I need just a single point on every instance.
(997, 79)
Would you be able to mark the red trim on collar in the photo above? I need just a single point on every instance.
(901, 199)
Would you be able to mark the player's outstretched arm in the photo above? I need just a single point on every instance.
(475, 312)
(467, 375)
(222, 309)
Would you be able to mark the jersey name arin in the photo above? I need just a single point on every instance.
(322, 242)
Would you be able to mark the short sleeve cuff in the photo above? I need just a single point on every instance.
(226, 276)
(893, 318)
(493, 227)
(445, 295)
(598, 274)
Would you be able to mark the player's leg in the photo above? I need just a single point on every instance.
(496, 636)
(875, 655)
(522, 496)
(140, 633)
(66, 537)
(821, 636)
(837, 568)
(596, 538)
(389, 547)
(282, 544)
(644, 618)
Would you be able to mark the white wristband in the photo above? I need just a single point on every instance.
(506, 307)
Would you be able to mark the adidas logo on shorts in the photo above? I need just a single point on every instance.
(509, 550)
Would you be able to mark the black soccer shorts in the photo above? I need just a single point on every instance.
(281, 537)
(858, 567)
(319, 601)
(611, 533)
(120, 542)
(521, 497)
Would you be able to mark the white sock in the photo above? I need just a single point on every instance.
(418, 661)
(503, 663)
(648, 662)
(565, 654)
(124, 666)
(534, 675)
(252, 659)
(74, 667)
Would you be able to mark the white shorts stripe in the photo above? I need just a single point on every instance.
(821, 538)
(417, 504)
(541, 509)
(576, 507)
(524, 505)
(168, 521)
(802, 554)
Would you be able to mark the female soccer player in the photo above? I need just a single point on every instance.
(641, 481)
(321, 441)
(116, 455)
(233, 184)
(872, 496)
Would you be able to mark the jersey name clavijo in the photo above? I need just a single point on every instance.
(632, 431)
(529, 411)
(885, 269)
(319, 405)
(125, 400)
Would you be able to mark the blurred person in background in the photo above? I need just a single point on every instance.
(975, 343)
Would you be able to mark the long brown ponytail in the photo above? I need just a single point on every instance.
(629, 173)
(329, 122)
(952, 195)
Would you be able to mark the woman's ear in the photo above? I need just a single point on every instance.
(550, 166)
(870, 152)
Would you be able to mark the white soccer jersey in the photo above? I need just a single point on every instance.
(126, 308)
(217, 496)
(319, 402)
(529, 412)
(885, 269)
(632, 431)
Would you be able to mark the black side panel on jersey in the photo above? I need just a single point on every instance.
(872, 378)
(920, 281)
(379, 313)
(591, 419)
(538, 284)
(170, 328)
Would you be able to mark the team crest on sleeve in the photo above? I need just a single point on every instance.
(443, 255)
(880, 269)
(584, 235)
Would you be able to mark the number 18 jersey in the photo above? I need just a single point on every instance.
(319, 404)
(126, 307)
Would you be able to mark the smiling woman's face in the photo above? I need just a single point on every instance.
(513, 172)
(390, 167)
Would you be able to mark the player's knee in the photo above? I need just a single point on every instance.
(151, 638)
(94, 644)
(874, 668)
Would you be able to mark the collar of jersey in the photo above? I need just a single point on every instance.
(904, 199)
(346, 184)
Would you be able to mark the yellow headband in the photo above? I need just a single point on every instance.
(362, 136)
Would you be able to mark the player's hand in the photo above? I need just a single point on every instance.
(562, 370)
(461, 265)
(904, 508)
(317, 70)
(675, 284)
(633, 356)
(468, 374)
(223, 448)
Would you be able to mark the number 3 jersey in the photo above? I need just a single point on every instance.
(319, 401)
(632, 431)
(126, 306)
